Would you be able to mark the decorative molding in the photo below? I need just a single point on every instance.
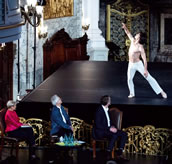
(148, 140)
(12, 26)
(41, 129)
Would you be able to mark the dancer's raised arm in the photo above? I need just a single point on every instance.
(127, 32)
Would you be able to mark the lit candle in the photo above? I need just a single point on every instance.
(87, 21)
(39, 9)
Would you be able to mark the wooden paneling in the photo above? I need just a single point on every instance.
(61, 48)
(6, 73)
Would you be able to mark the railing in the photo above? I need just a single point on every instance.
(146, 140)
(41, 129)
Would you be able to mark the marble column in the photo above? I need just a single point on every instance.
(96, 48)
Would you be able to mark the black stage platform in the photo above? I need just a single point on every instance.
(82, 83)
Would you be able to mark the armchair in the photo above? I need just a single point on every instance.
(116, 119)
(4, 138)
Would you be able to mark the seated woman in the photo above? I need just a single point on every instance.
(14, 128)
(60, 120)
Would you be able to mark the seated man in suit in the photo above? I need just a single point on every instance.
(103, 129)
(60, 120)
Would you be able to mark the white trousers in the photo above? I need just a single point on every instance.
(132, 68)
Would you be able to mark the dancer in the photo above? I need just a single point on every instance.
(135, 64)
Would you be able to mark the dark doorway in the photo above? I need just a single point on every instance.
(168, 31)
(6, 73)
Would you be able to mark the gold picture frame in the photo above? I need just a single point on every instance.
(58, 8)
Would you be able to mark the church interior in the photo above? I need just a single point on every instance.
(78, 50)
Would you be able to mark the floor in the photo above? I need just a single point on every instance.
(79, 157)
(86, 81)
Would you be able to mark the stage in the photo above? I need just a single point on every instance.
(82, 83)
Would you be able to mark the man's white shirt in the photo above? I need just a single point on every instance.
(107, 115)
(64, 120)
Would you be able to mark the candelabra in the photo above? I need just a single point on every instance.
(2, 45)
(31, 13)
(85, 24)
(42, 35)
(42, 30)
(85, 27)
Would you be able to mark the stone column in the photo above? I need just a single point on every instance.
(96, 47)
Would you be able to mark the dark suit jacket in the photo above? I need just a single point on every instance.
(100, 127)
(57, 121)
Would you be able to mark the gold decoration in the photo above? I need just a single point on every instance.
(42, 35)
(12, 26)
(82, 130)
(22, 119)
(77, 125)
(87, 135)
(60, 8)
(136, 16)
(85, 27)
(127, 42)
(148, 140)
(108, 23)
(41, 129)
(129, 14)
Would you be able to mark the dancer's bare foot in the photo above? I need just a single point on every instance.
(131, 96)
(164, 95)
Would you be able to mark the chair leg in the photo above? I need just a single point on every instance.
(17, 150)
(94, 148)
(1, 147)
(12, 147)
(113, 154)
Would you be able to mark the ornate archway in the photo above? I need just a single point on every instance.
(136, 16)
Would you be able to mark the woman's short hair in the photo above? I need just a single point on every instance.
(104, 100)
(11, 103)
(55, 99)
